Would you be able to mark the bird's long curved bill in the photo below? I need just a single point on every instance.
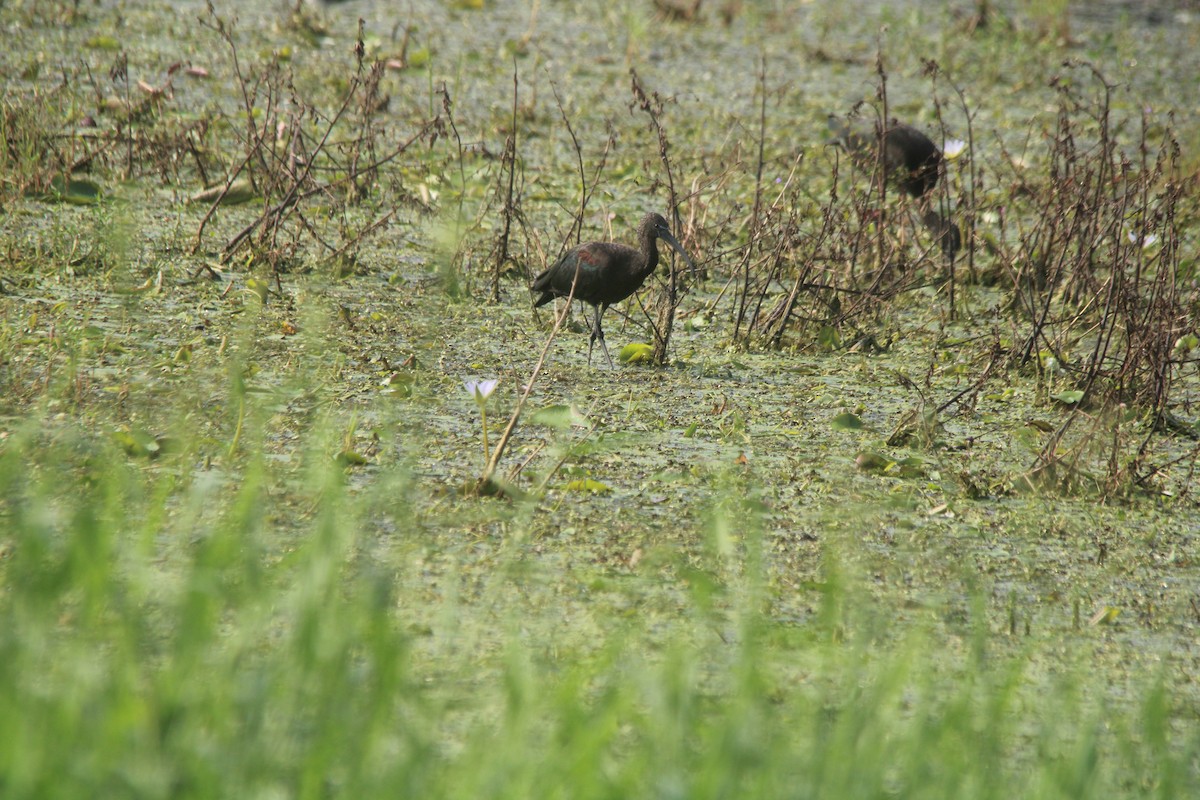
(670, 239)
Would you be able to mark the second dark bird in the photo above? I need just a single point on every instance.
(910, 159)
(604, 273)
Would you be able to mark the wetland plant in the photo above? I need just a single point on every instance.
(480, 391)
(295, 164)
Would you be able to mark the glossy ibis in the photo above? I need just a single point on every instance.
(604, 273)
(910, 159)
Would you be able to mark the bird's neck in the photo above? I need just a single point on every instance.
(650, 249)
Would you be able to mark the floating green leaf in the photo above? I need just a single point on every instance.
(351, 458)
(1187, 343)
(1069, 397)
(398, 384)
(871, 462)
(240, 191)
(418, 58)
(140, 443)
(588, 485)
(77, 191)
(847, 422)
(102, 42)
(911, 467)
(634, 352)
(558, 416)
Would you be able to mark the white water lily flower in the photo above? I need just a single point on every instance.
(953, 148)
(1147, 240)
(481, 390)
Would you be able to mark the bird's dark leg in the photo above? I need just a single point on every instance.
(598, 333)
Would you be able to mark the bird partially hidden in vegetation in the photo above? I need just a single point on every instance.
(910, 159)
(604, 273)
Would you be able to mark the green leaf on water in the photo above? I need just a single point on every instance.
(351, 458)
(140, 443)
(588, 485)
(847, 422)
(558, 416)
(398, 384)
(102, 42)
(1069, 397)
(634, 352)
(911, 467)
(418, 58)
(76, 191)
(872, 462)
(1187, 343)
(240, 191)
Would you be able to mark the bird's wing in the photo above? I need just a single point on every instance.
(588, 260)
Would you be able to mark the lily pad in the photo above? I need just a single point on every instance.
(351, 458)
(872, 462)
(847, 422)
(558, 416)
(588, 485)
(77, 191)
(140, 443)
(418, 58)
(1069, 397)
(911, 467)
(239, 192)
(634, 352)
(103, 42)
(398, 384)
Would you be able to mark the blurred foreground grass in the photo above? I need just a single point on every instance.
(159, 641)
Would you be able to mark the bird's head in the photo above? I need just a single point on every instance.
(659, 229)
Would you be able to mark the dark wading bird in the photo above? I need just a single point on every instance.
(604, 273)
(910, 159)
